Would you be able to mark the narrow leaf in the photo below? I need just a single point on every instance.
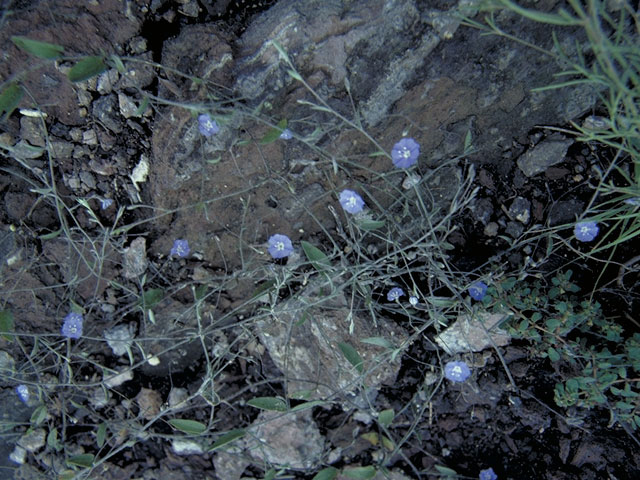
(52, 440)
(101, 434)
(39, 49)
(385, 417)
(85, 460)
(368, 225)
(445, 470)
(6, 324)
(351, 354)
(328, 473)
(316, 256)
(142, 108)
(38, 415)
(273, 134)
(378, 341)
(268, 403)
(360, 473)
(306, 405)
(188, 426)
(10, 98)
(227, 438)
(86, 68)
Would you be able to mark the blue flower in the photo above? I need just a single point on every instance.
(405, 153)
(456, 371)
(280, 246)
(207, 126)
(23, 393)
(105, 203)
(413, 300)
(394, 294)
(478, 290)
(351, 201)
(72, 326)
(286, 134)
(180, 248)
(488, 474)
(586, 231)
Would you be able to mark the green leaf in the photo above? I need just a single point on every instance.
(118, 63)
(85, 460)
(6, 324)
(379, 342)
(46, 50)
(328, 473)
(227, 438)
(274, 134)
(38, 415)
(385, 417)
(50, 236)
(86, 68)
(268, 403)
(368, 225)
(150, 298)
(295, 75)
(263, 288)
(316, 256)
(300, 394)
(9, 99)
(360, 473)
(52, 440)
(306, 405)
(554, 356)
(188, 426)
(269, 474)
(445, 470)
(142, 108)
(351, 354)
(101, 434)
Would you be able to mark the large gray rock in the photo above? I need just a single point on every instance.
(303, 337)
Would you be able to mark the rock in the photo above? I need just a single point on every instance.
(186, 447)
(229, 465)
(106, 111)
(119, 338)
(135, 258)
(127, 106)
(61, 149)
(149, 402)
(177, 396)
(290, 440)
(33, 440)
(548, 152)
(18, 455)
(106, 81)
(31, 130)
(112, 381)
(308, 354)
(473, 333)
(520, 210)
(565, 211)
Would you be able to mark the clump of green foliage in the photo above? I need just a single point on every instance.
(599, 367)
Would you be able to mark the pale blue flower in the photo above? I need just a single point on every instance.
(405, 153)
(105, 203)
(456, 371)
(280, 246)
(351, 201)
(586, 231)
(23, 393)
(413, 300)
(478, 290)
(488, 474)
(72, 326)
(286, 134)
(207, 126)
(180, 248)
(394, 294)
